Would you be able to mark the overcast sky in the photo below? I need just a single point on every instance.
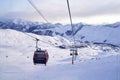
(86, 11)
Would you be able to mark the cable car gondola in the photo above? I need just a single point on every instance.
(40, 56)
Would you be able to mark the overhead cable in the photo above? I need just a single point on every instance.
(33, 5)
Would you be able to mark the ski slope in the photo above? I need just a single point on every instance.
(92, 63)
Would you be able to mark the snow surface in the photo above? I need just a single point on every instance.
(92, 63)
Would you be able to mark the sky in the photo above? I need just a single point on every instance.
(55, 11)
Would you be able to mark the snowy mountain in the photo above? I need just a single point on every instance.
(96, 62)
(106, 33)
(37, 28)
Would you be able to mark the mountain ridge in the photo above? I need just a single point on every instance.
(105, 33)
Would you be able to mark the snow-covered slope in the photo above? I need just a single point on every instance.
(13, 37)
(19, 43)
(95, 62)
(99, 34)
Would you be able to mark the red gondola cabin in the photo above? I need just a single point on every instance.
(40, 56)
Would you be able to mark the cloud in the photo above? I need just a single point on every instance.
(86, 8)
(79, 8)
(56, 10)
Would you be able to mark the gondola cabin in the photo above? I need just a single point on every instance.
(40, 56)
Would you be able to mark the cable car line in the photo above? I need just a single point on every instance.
(70, 15)
(33, 5)
(36, 39)
(31, 36)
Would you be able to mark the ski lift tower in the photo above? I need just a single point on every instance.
(73, 53)
(73, 48)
